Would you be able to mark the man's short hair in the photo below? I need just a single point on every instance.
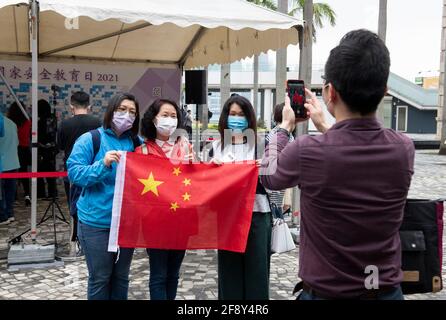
(80, 99)
(358, 68)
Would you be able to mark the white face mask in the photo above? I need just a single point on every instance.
(166, 126)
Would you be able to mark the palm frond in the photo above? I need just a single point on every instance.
(265, 3)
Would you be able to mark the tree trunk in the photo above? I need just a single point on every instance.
(382, 31)
(225, 83)
(255, 101)
(382, 23)
(205, 118)
(442, 89)
(306, 55)
(281, 66)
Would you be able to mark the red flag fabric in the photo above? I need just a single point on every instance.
(161, 204)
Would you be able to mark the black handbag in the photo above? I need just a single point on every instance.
(421, 235)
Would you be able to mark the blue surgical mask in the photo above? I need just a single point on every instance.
(237, 123)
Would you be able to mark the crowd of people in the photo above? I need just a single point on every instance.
(354, 179)
(15, 149)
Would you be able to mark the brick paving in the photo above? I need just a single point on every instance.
(199, 269)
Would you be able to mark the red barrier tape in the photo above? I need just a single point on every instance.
(27, 175)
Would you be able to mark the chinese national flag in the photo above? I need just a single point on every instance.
(161, 204)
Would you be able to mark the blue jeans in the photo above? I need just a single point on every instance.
(164, 273)
(9, 187)
(108, 276)
(396, 294)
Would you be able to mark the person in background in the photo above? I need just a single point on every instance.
(69, 131)
(24, 148)
(354, 178)
(159, 123)
(2, 134)
(244, 276)
(276, 197)
(9, 159)
(95, 172)
(188, 123)
(47, 151)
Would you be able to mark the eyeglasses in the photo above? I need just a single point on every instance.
(325, 83)
(124, 109)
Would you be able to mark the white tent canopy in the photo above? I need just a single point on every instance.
(188, 33)
(181, 33)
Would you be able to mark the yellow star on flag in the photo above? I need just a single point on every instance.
(187, 182)
(174, 206)
(186, 197)
(176, 171)
(150, 184)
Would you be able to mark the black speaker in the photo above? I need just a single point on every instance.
(196, 87)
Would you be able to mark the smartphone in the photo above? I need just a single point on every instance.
(296, 93)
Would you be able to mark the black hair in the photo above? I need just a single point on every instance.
(358, 68)
(43, 109)
(114, 104)
(16, 114)
(80, 99)
(278, 109)
(248, 110)
(148, 128)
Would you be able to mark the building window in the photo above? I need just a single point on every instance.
(401, 118)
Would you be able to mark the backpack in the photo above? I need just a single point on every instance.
(76, 191)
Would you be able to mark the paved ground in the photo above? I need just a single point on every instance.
(198, 272)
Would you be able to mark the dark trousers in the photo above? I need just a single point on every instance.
(46, 163)
(66, 185)
(396, 294)
(8, 189)
(25, 161)
(108, 272)
(245, 276)
(164, 273)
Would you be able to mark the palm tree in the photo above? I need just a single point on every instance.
(382, 31)
(315, 15)
(281, 65)
(442, 108)
(321, 12)
(265, 3)
(270, 5)
(382, 24)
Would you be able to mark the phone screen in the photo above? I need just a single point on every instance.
(296, 93)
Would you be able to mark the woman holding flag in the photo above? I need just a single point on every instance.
(159, 123)
(92, 166)
(244, 276)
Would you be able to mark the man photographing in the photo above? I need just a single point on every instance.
(354, 178)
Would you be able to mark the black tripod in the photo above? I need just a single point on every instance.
(50, 213)
(52, 208)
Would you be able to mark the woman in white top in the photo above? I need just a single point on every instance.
(244, 276)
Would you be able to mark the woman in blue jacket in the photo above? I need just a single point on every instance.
(95, 171)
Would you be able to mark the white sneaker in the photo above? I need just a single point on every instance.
(12, 219)
(3, 223)
(27, 201)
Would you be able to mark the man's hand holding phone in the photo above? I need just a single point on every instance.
(316, 112)
(289, 120)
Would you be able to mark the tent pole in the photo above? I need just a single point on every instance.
(34, 26)
(14, 96)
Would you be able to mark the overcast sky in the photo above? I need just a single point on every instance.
(413, 32)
